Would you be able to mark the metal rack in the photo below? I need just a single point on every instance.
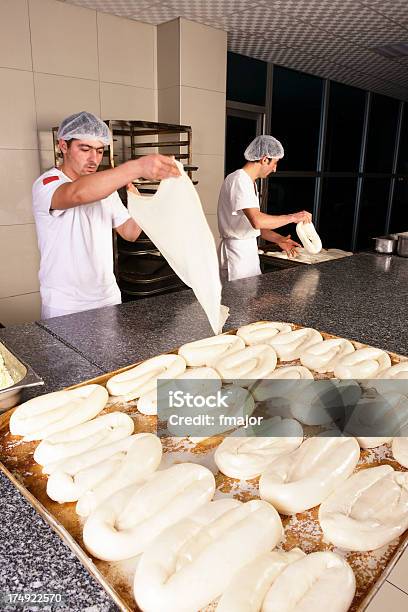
(139, 267)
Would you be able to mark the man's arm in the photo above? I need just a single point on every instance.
(262, 221)
(100, 185)
(129, 230)
(284, 242)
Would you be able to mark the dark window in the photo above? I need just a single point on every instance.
(296, 106)
(399, 212)
(246, 79)
(373, 210)
(288, 195)
(345, 120)
(240, 132)
(382, 129)
(337, 212)
(403, 146)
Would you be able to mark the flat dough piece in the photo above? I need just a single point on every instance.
(193, 562)
(302, 479)
(319, 581)
(174, 220)
(368, 510)
(400, 450)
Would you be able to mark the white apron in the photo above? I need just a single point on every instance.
(239, 258)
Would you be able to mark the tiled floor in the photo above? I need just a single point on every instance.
(393, 595)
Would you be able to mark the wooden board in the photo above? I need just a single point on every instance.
(303, 530)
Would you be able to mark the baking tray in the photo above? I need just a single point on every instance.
(370, 568)
(304, 258)
(21, 373)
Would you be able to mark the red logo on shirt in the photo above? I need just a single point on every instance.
(49, 179)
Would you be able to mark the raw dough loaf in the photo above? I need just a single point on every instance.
(262, 331)
(309, 237)
(322, 357)
(245, 458)
(319, 581)
(303, 478)
(140, 459)
(368, 510)
(386, 414)
(174, 220)
(204, 381)
(143, 378)
(193, 562)
(87, 436)
(48, 414)
(257, 361)
(123, 526)
(290, 346)
(400, 450)
(248, 588)
(363, 363)
(207, 351)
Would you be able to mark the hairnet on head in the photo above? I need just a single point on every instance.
(84, 126)
(264, 146)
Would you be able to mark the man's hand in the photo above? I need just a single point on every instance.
(155, 167)
(302, 215)
(288, 245)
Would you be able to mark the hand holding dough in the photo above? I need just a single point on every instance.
(368, 510)
(303, 478)
(206, 352)
(123, 525)
(142, 379)
(319, 581)
(48, 414)
(309, 237)
(262, 331)
(193, 562)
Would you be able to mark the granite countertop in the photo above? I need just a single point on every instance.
(363, 297)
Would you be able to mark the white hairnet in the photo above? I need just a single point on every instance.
(264, 146)
(84, 126)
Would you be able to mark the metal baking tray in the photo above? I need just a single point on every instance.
(22, 374)
(371, 569)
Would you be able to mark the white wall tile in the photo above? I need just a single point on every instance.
(169, 105)
(399, 575)
(20, 309)
(168, 54)
(18, 171)
(19, 260)
(203, 52)
(213, 223)
(126, 102)
(205, 111)
(389, 598)
(15, 48)
(57, 97)
(18, 128)
(126, 51)
(210, 176)
(64, 39)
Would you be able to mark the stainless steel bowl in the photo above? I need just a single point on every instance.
(23, 376)
(402, 248)
(385, 244)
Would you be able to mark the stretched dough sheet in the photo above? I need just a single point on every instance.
(302, 530)
(173, 219)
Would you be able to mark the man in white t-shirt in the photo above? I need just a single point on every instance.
(75, 209)
(240, 220)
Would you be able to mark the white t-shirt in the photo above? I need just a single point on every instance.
(238, 191)
(76, 269)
